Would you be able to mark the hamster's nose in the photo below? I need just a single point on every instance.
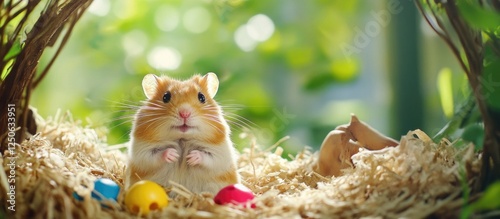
(184, 114)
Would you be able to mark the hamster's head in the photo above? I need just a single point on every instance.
(180, 110)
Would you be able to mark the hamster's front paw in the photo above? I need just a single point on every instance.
(170, 155)
(194, 157)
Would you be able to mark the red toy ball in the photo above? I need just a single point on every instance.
(236, 194)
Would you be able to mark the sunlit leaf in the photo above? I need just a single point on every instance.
(465, 115)
(445, 91)
(474, 133)
(272, 45)
(319, 81)
(14, 50)
(6, 69)
(478, 16)
(344, 69)
(489, 200)
(299, 57)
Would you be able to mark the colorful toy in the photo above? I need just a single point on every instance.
(145, 196)
(237, 194)
(105, 190)
(77, 197)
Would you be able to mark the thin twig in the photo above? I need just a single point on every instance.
(465, 34)
(446, 38)
(74, 19)
(17, 31)
(17, 86)
(53, 59)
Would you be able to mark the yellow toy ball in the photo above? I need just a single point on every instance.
(145, 196)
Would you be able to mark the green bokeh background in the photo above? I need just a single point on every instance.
(306, 69)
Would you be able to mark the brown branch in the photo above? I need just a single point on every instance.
(465, 36)
(53, 59)
(18, 85)
(72, 24)
(496, 4)
(446, 39)
(438, 21)
(24, 114)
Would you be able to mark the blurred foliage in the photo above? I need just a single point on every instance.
(114, 44)
(487, 206)
(479, 15)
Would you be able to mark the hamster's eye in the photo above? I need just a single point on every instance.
(201, 97)
(166, 97)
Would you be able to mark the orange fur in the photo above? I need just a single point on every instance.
(229, 177)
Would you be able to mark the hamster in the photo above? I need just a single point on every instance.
(180, 134)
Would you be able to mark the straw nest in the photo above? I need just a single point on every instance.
(416, 179)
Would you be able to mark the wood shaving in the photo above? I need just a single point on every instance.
(416, 179)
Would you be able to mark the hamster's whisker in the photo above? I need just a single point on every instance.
(231, 108)
(235, 119)
(158, 116)
(215, 127)
(150, 124)
(156, 104)
(212, 111)
(154, 114)
(121, 115)
(238, 127)
(161, 124)
(123, 111)
(237, 124)
(151, 121)
(230, 103)
(162, 109)
(125, 104)
(130, 109)
(211, 118)
(121, 123)
(127, 118)
(153, 108)
(241, 120)
(210, 107)
(127, 108)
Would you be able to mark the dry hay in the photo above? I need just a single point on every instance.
(414, 180)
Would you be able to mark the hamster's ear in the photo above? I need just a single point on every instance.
(212, 83)
(149, 85)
